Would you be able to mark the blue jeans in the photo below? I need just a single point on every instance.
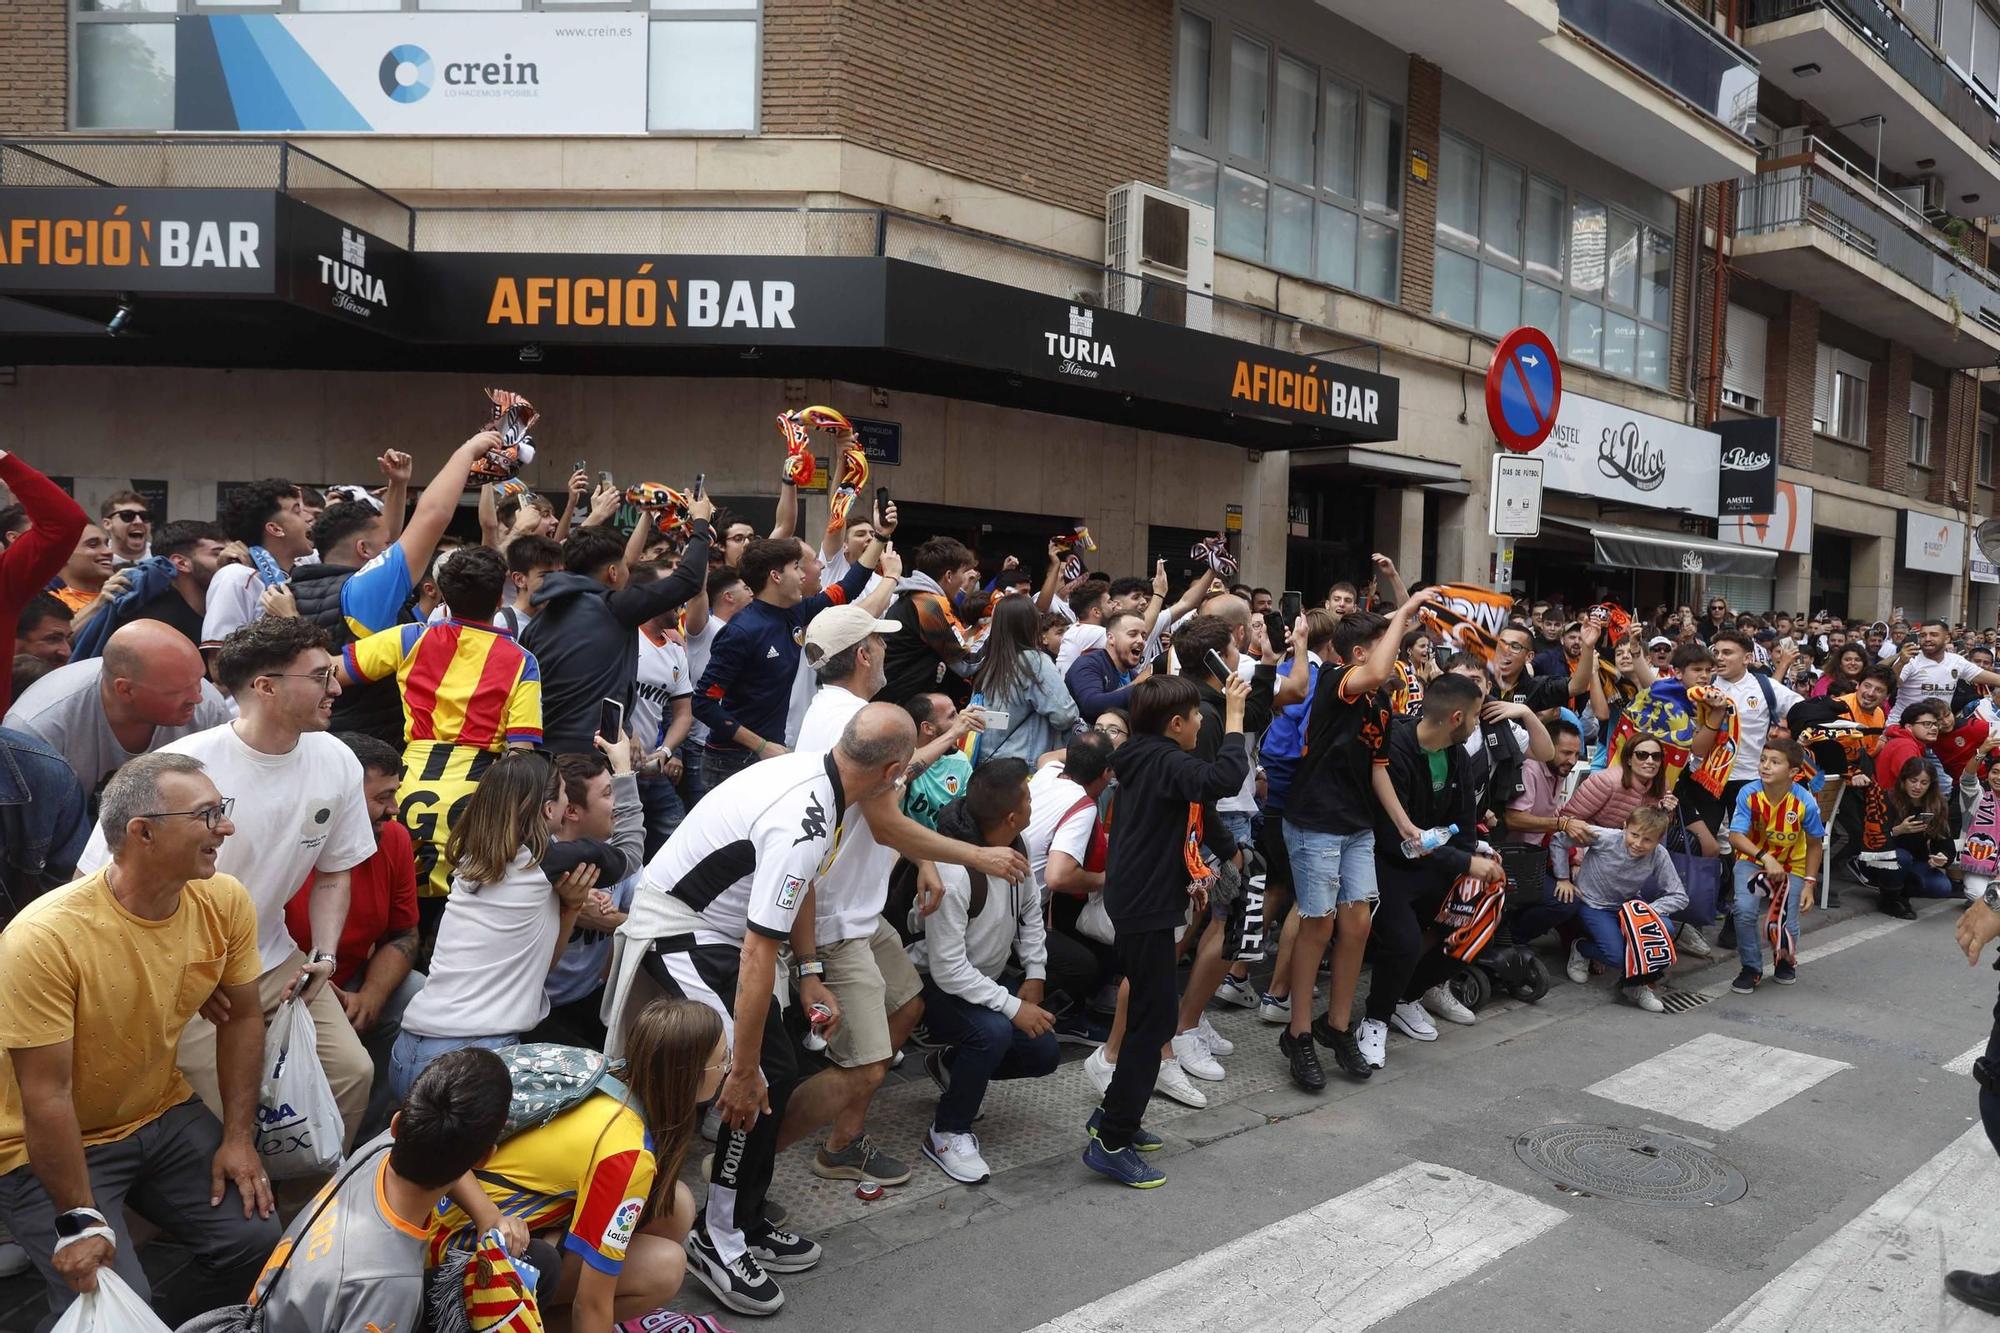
(986, 1045)
(661, 802)
(1604, 942)
(718, 766)
(412, 1053)
(1918, 878)
(1749, 909)
(1330, 870)
(691, 788)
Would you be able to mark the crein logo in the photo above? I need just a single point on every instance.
(406, 73)
(1740, 459)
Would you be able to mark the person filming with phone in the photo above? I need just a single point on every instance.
(1918, 837)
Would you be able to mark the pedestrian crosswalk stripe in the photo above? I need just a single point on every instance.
(1339, 1267)
(1716, 1081)
(1884, 1270)
(1849, 940)
(1963, 1064)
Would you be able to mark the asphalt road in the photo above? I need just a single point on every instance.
(1401, 1203)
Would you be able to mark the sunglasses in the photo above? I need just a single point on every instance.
(1647, 756)
(131, 515)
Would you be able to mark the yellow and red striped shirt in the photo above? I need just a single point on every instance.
(464, 682)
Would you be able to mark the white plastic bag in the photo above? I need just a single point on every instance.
(112, 1308)
(298, 1123)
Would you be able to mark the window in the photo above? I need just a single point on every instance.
(1191, 62)
(1302, 169)
(1920, 425)
(1985, 474)
(704, 57)
(1840, 396)
(1509, 242)
(1743, 342)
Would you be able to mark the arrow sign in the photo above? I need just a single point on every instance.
(1523, 389)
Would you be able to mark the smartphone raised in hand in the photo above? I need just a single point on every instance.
(1217, 667)
(611, 720)
(1290, 603)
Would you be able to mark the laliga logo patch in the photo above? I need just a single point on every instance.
(788, 896)
(623, 1223)
(406, 73)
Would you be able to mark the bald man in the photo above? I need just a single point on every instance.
(147, 689)
(733, 883)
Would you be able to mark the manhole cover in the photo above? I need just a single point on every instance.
(1631, 1165)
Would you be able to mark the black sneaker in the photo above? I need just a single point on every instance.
(741, 1284)
(1346, 1050)
(1979, 1290)
(1078, 1028)
(1746, 981)
(782, 1251)
(1785, 974)
(938, 1068)
(1304, 1061)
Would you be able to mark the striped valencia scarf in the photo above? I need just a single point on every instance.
(1713, 775)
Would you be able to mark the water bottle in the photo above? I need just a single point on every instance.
(1428, 841)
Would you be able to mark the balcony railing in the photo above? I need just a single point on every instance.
(1676, 50)
(1807, 183)
(1911, 55)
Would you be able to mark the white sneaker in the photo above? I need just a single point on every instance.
(1098, 1070)
(1194, 1056)
(1413, 1021)
(1276, 1010)
(1373, 1039)
(1237, 991)
(1579, 966)
(1173, 1081)
(1693, 943)
(957, 1155)
(1440, 1001)
(1216, 1043)
(14, 1260)
(1645, 997)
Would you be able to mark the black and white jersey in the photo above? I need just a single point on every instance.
(744, 856)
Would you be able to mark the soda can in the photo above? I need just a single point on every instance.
(868, 1191)
(818, 1016)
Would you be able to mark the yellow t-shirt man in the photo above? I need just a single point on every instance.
(80, 968)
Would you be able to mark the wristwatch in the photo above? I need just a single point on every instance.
(1992, 896)
(318, 956)
(811, 967)
(77, 1221)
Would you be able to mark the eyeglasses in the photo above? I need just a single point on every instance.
(325, 676)
(1114, 731)
(728, 1063)
(211, 815)
(131, 515)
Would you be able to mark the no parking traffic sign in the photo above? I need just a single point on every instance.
(1523, 389)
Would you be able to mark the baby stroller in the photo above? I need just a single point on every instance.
(1502, 964)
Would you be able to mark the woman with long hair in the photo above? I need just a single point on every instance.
(1919, 839)
(1845, 667)
(1018, 681)
(535, 839)
(598, 1188)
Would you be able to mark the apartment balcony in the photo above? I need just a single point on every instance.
(1642, 84)
(1856, 59)
(1811, 222)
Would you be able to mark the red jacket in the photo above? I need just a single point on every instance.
(55, 521)
(1898, 748)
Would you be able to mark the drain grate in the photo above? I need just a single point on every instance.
(1631, 1165)
(1680, 1001)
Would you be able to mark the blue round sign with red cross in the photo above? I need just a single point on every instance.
(1523, 389)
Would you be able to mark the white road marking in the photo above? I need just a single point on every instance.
(1849, 940)
(1339, 1267)
(1884, 1270)
(1716, 1081)
(1963, 1064)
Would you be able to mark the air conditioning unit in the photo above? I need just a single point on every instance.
(1925, 195)
(1160, 248)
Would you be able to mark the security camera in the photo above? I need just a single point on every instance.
(121, 318)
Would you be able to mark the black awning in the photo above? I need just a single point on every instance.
(246, 278)
(1671, 552)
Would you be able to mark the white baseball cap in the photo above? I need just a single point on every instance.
(839, 628)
